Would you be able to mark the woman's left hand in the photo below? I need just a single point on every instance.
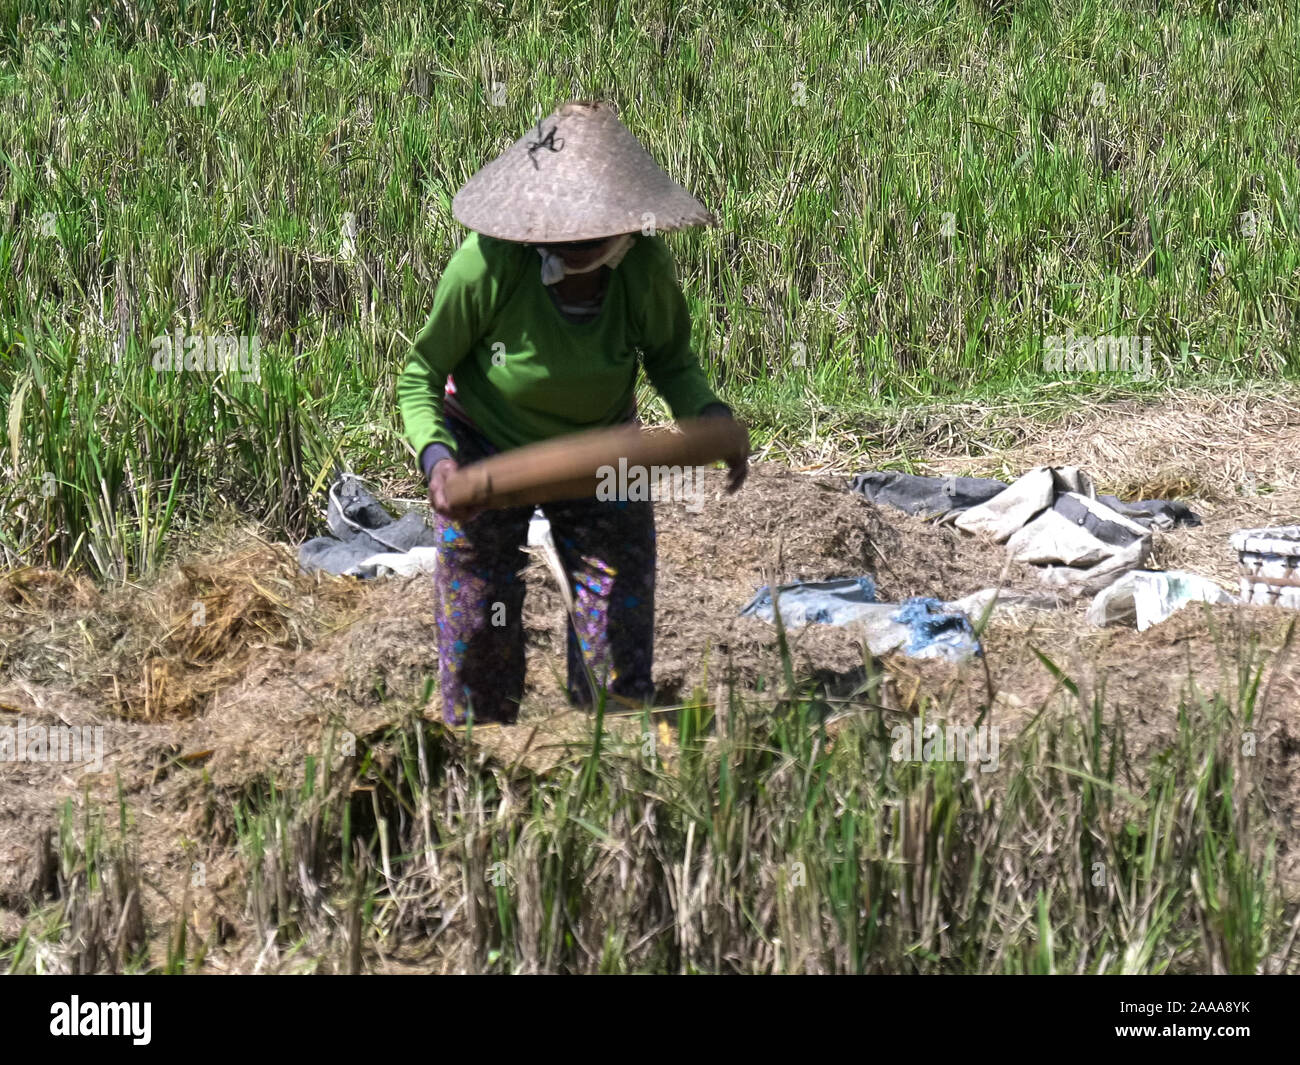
(738, 464)
(738, 468)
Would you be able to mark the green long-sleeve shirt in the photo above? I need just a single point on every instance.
(523, 372)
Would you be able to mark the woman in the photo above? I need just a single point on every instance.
(541, 313)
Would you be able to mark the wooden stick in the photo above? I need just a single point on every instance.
(570, 467)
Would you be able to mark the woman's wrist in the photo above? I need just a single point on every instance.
(432, 455)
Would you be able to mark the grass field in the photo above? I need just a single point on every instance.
(912, 198)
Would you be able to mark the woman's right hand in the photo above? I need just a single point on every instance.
(443, 469)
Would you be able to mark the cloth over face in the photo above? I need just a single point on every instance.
(555, 269)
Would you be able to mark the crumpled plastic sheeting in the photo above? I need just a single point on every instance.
(1072, 582)
(823, 602)
(368, 541)
(1083, 544)
(1017, 506)
(940, 497)
(925, 496)
(1099, 519)
(1049, 517)
(937, 630)
(1077, 531)
(1154, 513)
(1147, 597)
(918, 627)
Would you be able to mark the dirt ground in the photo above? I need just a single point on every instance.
(249, 695)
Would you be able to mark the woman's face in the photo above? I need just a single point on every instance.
(580, 253)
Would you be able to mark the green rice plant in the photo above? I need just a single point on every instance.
(911, 200)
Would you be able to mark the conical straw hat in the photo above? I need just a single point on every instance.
(578, 175)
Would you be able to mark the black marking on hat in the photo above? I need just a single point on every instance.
(548, 142)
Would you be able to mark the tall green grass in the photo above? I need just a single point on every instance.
(911, 196)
